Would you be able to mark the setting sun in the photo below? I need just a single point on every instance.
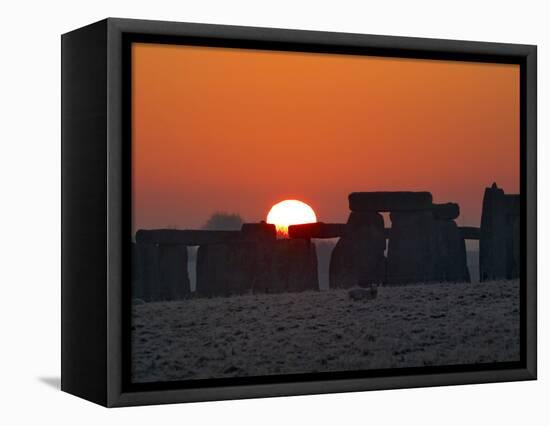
(290, 212)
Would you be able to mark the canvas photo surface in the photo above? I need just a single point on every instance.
(303, 213)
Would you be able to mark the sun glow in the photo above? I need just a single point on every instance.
(290, 212)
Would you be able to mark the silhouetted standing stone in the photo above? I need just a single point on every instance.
(226, 269)
(186, 237)
(499, 235)
(317, 230)
(469, 232)
(147, 258)
(358, 257)
(174, 279)
(295, 266)
(411, 248)
(389, 201)
(514, 244)
(450, 263)
(161, 272)
(516, 247)
(446, 211)
(261, 231)
(135, 266)
(261, 267)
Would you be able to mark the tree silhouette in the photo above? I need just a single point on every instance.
(221, 221)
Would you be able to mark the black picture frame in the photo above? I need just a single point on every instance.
(96, 212)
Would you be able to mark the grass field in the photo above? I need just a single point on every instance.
(251, 335)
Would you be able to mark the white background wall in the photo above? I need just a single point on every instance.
(30, 211)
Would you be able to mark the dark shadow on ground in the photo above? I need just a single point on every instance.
(54, 382)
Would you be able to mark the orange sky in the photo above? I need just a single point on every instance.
(217, 129)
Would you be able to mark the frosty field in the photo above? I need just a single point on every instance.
(255, 335)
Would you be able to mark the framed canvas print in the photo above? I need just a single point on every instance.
(252, 212)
